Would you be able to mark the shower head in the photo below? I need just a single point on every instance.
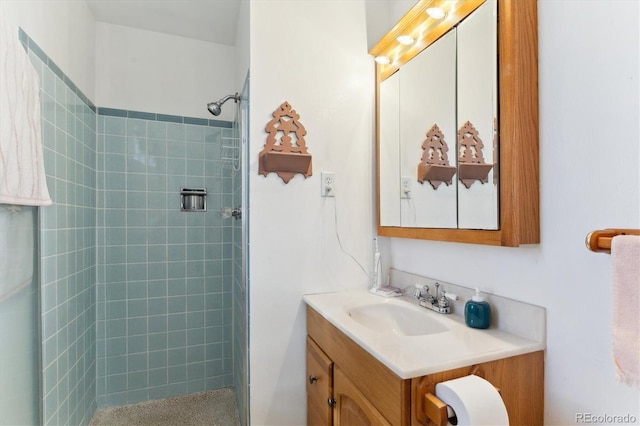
(215, 108)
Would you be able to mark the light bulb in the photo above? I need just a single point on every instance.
(435, 12)
(406, 40)
(382, 60)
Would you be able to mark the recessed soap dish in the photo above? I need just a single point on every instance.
(193, 200)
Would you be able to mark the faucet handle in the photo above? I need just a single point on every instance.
(417, 292)
(450, 296)
(443, 302)
(444, 296)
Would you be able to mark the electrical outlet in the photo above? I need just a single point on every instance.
(327, 184)
(405, 188)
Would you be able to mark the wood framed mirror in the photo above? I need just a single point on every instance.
(516, 185)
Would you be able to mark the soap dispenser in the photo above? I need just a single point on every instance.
(477, 312)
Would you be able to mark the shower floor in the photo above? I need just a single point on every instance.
(204, 408)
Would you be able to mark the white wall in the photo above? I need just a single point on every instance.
(65, 30)
(590, 174)
(242, 46)
(312, 54)
(121, 67)
(147, 71)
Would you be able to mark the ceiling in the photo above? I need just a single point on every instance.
(209, 20)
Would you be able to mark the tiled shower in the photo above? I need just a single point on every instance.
(137, 297)
(164, 275)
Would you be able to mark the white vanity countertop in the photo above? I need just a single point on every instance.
(419, 355)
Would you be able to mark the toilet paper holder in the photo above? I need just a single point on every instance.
(430, 408)
(436, 410)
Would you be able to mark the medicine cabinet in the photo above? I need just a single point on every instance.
(457, 124)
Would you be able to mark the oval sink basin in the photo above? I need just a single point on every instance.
(391, 319)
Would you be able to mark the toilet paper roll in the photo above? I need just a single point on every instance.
(474, 400)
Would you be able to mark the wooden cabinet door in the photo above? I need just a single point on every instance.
(319, 386)
(352, 408)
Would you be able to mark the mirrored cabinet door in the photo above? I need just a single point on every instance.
(477, 119)
(389, 155)
(428, 131)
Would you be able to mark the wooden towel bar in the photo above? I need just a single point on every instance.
(600, 241)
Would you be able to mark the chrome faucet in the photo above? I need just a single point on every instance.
(438, 302)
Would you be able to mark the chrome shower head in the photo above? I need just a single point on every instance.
(215, 108)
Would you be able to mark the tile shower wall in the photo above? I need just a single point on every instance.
(67, 238)
(164, 276)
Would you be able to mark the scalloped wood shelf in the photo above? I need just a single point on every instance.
(286, 162)
(436, 174)
(471, 172)
(285, 152)
(434, 164)
(471, 162)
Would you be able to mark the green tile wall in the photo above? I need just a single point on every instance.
(164, 276)
(68, 249)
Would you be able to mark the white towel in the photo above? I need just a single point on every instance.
(22, 176)
(625, 265)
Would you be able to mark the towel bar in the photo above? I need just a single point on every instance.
(600, 241)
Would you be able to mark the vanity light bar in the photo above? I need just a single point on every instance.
(422, 29)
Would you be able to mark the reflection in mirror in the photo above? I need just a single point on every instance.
(424, 107)
(389, 154)
(477, 105)
(427, 99)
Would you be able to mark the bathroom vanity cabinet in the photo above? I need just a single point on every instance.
(364, 390)
(346, 385)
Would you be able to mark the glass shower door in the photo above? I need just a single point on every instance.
(19, 317)
(240, 262)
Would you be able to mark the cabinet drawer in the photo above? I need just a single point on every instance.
(319, 385)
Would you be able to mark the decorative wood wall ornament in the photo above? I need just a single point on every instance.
(471, 163)
(285, 151)
(434, 165)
